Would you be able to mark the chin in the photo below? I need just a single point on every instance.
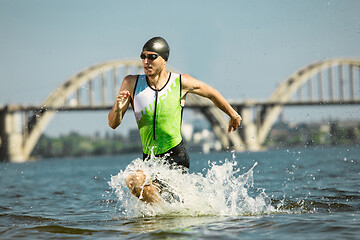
(147, 72)
(150, 74)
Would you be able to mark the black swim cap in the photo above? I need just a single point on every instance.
(158, 45)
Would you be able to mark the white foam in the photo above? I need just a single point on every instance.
(223, 190)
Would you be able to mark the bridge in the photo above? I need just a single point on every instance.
(329, 82)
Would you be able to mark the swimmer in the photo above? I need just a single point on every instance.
(158, 98)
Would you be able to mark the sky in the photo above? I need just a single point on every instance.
(244, 49)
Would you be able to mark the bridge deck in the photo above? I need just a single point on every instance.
(238, 104)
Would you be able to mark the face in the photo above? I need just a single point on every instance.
(152, 67)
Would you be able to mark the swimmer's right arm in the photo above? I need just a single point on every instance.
(121, 103)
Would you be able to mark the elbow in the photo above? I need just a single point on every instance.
(214, 95)
(112, 122)
(113, 126)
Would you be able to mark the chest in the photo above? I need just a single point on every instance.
(148, 101)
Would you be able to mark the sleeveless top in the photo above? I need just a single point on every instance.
(158, 114)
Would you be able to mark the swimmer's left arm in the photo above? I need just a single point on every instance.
(192, 85)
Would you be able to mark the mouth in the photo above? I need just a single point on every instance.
(147, 68)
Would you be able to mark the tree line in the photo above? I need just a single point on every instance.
(76, 145)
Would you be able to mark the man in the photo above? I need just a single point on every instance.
(158, 98)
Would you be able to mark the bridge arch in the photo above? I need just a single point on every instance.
(286, 89)
(68, 94)
(252, 135)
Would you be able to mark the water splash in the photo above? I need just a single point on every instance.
(222, 190)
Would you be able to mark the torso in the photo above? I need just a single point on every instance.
(158, 113)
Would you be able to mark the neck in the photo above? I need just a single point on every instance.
(159, 80)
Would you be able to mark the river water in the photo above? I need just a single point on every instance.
(302, 193)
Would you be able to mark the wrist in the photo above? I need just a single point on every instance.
(235, 115)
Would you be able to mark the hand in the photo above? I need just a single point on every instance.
(121, 99)
(234, 123)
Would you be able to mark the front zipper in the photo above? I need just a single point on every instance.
(156, 98)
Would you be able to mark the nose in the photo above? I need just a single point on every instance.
(146, 60)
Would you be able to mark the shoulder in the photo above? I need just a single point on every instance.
(130, 78)
(185, 77)
(129, 83)
(189, 82)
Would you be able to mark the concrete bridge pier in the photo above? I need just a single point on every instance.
(249, 130)
(11, 138)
